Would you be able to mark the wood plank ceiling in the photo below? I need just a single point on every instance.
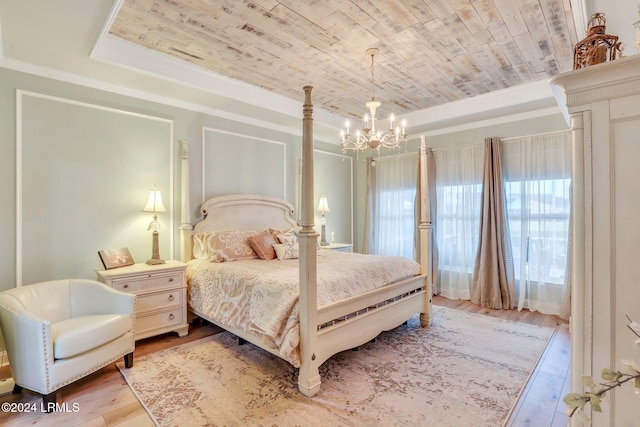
(431, 51)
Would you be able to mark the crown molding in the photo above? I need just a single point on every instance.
(76, 79)
(549, 111)
(125, 54)
(596, 83)
(515, 103)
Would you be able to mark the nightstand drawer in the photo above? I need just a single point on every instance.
(161, 290)
(148, 282)
(155, 301)
(158, 321)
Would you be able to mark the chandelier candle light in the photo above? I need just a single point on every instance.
(154, 205)
(369, 137)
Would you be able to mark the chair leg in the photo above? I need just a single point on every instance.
(49, 401)
(17, 389)
(128, 360)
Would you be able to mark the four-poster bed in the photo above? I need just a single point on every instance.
(318, 326)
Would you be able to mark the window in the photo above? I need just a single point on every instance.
(457, 222)
(393, 223)
(538, 214)
(537, 174)
(397, 222)
(458, 225)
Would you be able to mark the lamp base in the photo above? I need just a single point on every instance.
(323, 238)
(155, 254)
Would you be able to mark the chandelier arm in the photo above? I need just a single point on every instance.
(369, 137)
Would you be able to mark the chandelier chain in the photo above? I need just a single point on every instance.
(373, 81)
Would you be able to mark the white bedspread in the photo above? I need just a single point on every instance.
(261, 297)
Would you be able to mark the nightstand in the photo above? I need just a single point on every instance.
(342, 247)
(161, 303)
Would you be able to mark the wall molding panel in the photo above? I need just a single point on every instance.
(83, 172)
(228, 158)
(341, 202)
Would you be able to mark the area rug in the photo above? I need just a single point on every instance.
(466, 370)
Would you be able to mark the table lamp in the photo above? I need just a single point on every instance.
(323, 206)
(154, 205)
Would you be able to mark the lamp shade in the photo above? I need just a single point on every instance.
(323, 205)
(154, 202)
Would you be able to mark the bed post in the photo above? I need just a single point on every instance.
(426, 234)
(308, 376)
(185, 217)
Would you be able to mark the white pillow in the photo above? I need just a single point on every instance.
(288, 237)
(287, 251)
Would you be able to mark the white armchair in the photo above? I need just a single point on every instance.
(60, 331)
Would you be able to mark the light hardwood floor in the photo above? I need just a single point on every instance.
(104, 399)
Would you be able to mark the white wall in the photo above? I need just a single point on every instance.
(620, 16)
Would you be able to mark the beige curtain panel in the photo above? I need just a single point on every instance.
(493, 275)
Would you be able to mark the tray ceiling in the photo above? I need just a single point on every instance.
(431, 52)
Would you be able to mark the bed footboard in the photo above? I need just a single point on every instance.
(356, 321)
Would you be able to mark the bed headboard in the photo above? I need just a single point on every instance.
(244, 212)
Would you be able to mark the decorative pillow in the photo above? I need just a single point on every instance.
(262, 243)
(274, 232)
(287, 251)
(287, 237)
(221, 246)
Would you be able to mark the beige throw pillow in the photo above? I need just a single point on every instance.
(221, 246)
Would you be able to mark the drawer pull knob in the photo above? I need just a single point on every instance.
(171, 316)
(126, 286)
(171, 279)
(171, 297)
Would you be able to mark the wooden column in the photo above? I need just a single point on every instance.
(582, 282)
(185, 216)
(309, 376)
(425, 228)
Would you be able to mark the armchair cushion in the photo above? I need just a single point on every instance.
(38, 324)
(80, 334)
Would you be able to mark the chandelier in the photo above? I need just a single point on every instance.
(369, 136)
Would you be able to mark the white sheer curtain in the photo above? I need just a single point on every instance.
(458, 192)
(392, 222)
(537, 174)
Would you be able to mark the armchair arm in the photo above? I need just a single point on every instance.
(29, 344)
(92, 297)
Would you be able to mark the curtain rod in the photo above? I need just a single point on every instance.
(394, 156)
(513, 138)
(457, 147)
(510, 139)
